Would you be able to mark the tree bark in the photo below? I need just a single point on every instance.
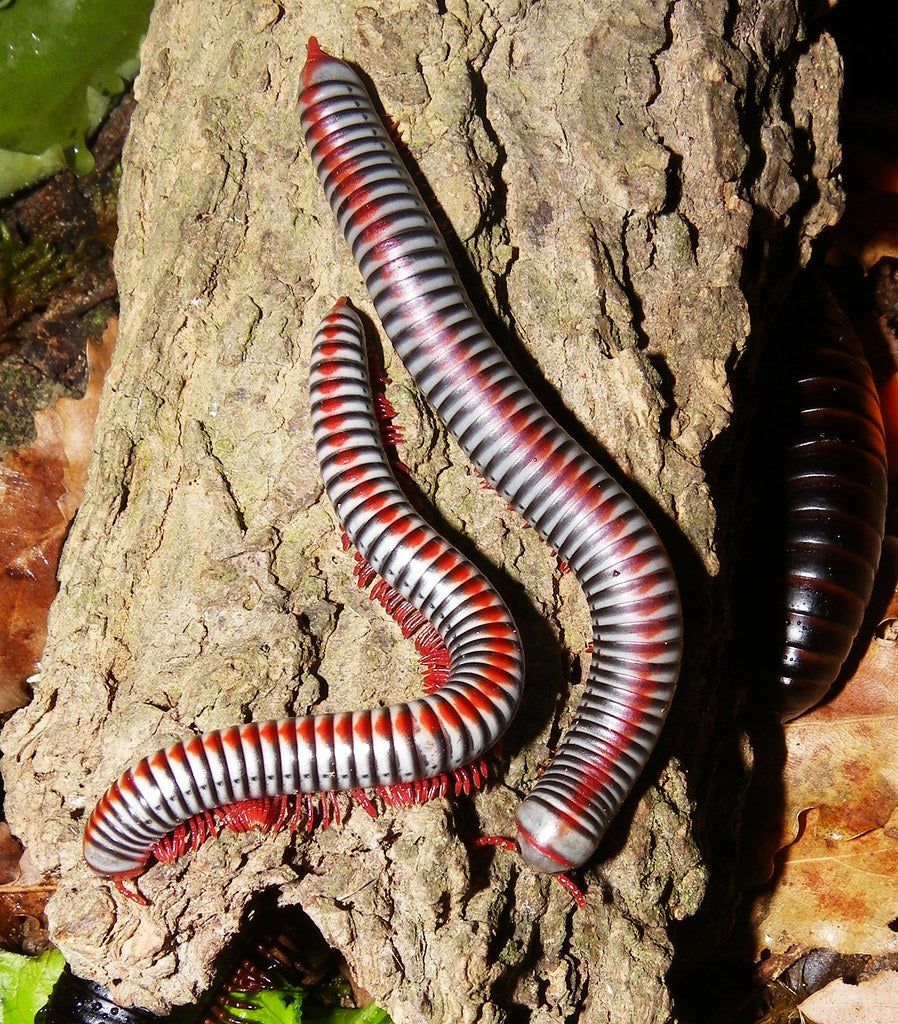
(628, 186)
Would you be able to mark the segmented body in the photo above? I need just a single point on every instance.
(251, 770)
(76, 1000)
(836, 484)
(466, 716)
(277, 955)
(524, 454)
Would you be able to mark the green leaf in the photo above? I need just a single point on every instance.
(288, 1006)
(18, 170)
(26, 983)
(335, 1015)
(60, 62)
(281, 1006)
(52, 52)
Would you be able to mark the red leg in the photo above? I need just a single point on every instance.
(365, 802)
(204, 827)
(570, 886)
(296, 817)
(136, 895)
(262, 814)
(364, 571)
(331, 812)
(462, 782)
(502, 842)
(435, 659)
(282, 808)
(174, 845)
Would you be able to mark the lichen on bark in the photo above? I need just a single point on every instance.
(617, 181)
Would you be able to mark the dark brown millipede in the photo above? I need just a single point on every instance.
(835, 498)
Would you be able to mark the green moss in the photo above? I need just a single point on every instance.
(25, 388)
(511, 953)
(681, 236)
(95, 320)
(32, 271)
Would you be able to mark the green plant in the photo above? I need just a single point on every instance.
(289, 1005)
(60, 63)
(26, 983)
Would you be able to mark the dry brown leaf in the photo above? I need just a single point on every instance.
(871, 1002)
(868, 232)
(23, 919)
(41, 487)
(837, 886)
(10, 853)
(23, 899)
(835, 894)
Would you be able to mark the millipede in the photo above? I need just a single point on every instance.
(523, 453)
(285, 773)
(835, 489)
(271, 774)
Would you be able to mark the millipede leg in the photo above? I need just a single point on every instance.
(134, 895)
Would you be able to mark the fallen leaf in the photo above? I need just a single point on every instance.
(10, 853)
(23, 899)
(868, 232)
(836, 884)
(871, 1002)
(41, 487)
(835, 894)
(23, 918)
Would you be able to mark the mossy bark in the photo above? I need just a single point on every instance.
(625, 186)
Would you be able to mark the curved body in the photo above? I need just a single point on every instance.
(524, 454)
(835, 497)
(424, 739)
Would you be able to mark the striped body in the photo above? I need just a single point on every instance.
(425, 739)
(524, 454)
(835, 497)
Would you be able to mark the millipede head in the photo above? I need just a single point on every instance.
(548, 841)
(105, 859)
(562, 878)
(321, 65)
